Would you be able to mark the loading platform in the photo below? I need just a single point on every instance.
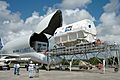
(87, 50)
(84, 49)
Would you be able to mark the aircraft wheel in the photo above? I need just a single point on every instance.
(90, 67)
(86, 68)
(80, 67)
(116, 69)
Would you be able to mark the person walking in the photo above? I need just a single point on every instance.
(26, 66)
(15, 68)
(18, 69)
(36, 70)
(31, 69)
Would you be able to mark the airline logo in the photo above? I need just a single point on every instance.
(69, 28)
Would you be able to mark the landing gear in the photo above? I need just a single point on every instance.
(116, 69)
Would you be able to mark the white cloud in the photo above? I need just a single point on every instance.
(109, 29)
(71, 16)
(3, 5)
(73, 4)
(35, 16)
(12, 26)
(110, 24)
(113, 6)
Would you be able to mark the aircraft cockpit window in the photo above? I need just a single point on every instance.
(89, 26)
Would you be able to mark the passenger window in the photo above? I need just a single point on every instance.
(89, 26)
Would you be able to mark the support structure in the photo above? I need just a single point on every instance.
(85, 51)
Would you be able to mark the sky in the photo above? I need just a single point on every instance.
(27, 7)
(19, 17)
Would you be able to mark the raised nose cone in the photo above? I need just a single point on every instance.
(55, 22)
(50, 23)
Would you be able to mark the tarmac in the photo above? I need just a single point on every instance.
(62, 75)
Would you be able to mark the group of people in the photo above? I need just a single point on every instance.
(33, 69)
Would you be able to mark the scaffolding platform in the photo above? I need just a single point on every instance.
(84, 49)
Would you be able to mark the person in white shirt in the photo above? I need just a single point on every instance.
(18, 69)
(31, 69)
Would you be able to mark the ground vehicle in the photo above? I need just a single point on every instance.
(4, 66)
(85, 65)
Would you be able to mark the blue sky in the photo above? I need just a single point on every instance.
(27, 7)
(96, 7)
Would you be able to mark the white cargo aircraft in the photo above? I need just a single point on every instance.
(37, 43)
(34, 44)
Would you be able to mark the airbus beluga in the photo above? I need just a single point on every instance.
(26, 46)
(49, 32)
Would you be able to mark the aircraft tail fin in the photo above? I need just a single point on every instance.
(1, 43)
